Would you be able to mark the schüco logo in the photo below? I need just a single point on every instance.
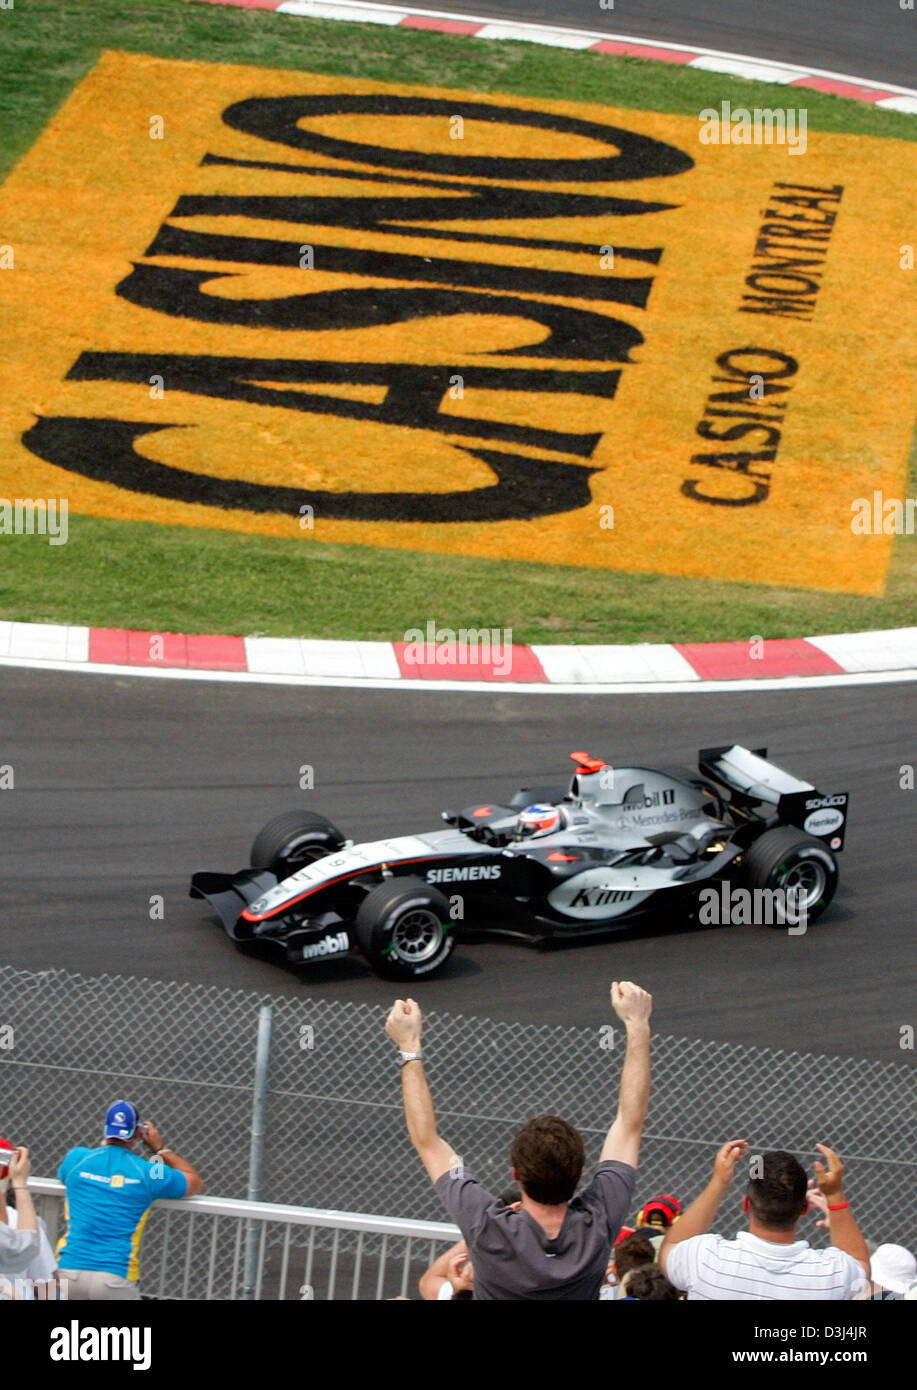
(328, 946)
(813, 803)
(470, 874)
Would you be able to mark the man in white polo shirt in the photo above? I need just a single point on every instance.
(768, 1261)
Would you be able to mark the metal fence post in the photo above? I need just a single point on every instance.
(256, 1147)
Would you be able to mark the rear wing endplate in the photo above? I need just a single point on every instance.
(825, 817)
(753, 779)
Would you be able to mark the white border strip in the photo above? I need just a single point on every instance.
(492, 688)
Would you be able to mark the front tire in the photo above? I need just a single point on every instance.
(785, 858)
(403, 929)
(293, 840)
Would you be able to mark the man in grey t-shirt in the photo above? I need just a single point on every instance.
(552, 1244)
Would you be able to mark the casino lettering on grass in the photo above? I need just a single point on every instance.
(431, 287)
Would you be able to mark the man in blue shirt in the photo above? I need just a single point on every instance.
(109, 1194)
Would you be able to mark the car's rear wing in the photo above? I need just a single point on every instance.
(753, 779)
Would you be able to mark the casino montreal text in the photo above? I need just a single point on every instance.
(785, 285)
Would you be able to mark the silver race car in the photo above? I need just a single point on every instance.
(616, 844)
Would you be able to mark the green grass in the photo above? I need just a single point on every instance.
(173, 579)
(167, 579)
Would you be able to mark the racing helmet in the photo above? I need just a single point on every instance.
(541, 818)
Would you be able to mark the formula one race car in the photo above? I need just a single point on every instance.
(617, 844)
(614, 845)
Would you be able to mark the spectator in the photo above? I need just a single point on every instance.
(653, 1220)
(39, 1272)
(656, 1216)
(555, 1245)
(894, 1270)
(450, 1276)
(633, 1253)
(19, 1246)
(648, 1284)
(109, 1193)
(767, 1260)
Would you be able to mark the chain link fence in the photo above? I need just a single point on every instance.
(334, 1133)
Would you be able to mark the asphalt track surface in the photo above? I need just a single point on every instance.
(124, 786)
(874, 39)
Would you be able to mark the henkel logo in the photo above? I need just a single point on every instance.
(329, 946)
(823, 822)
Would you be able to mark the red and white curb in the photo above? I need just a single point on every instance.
(857, 658)
(882, 94)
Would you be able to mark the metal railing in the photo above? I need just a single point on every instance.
(361, 1257)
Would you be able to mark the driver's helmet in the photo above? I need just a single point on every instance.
(539, 819)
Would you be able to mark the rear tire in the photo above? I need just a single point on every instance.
(403, 929)
(788, 858)
(293, 840)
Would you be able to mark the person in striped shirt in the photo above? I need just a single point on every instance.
(768, 1261)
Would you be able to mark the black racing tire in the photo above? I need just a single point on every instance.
(294, 839)
(403, 929)
(785, 858)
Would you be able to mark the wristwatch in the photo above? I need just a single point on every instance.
(409, 1057)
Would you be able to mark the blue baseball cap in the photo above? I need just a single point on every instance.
(120, 1120)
